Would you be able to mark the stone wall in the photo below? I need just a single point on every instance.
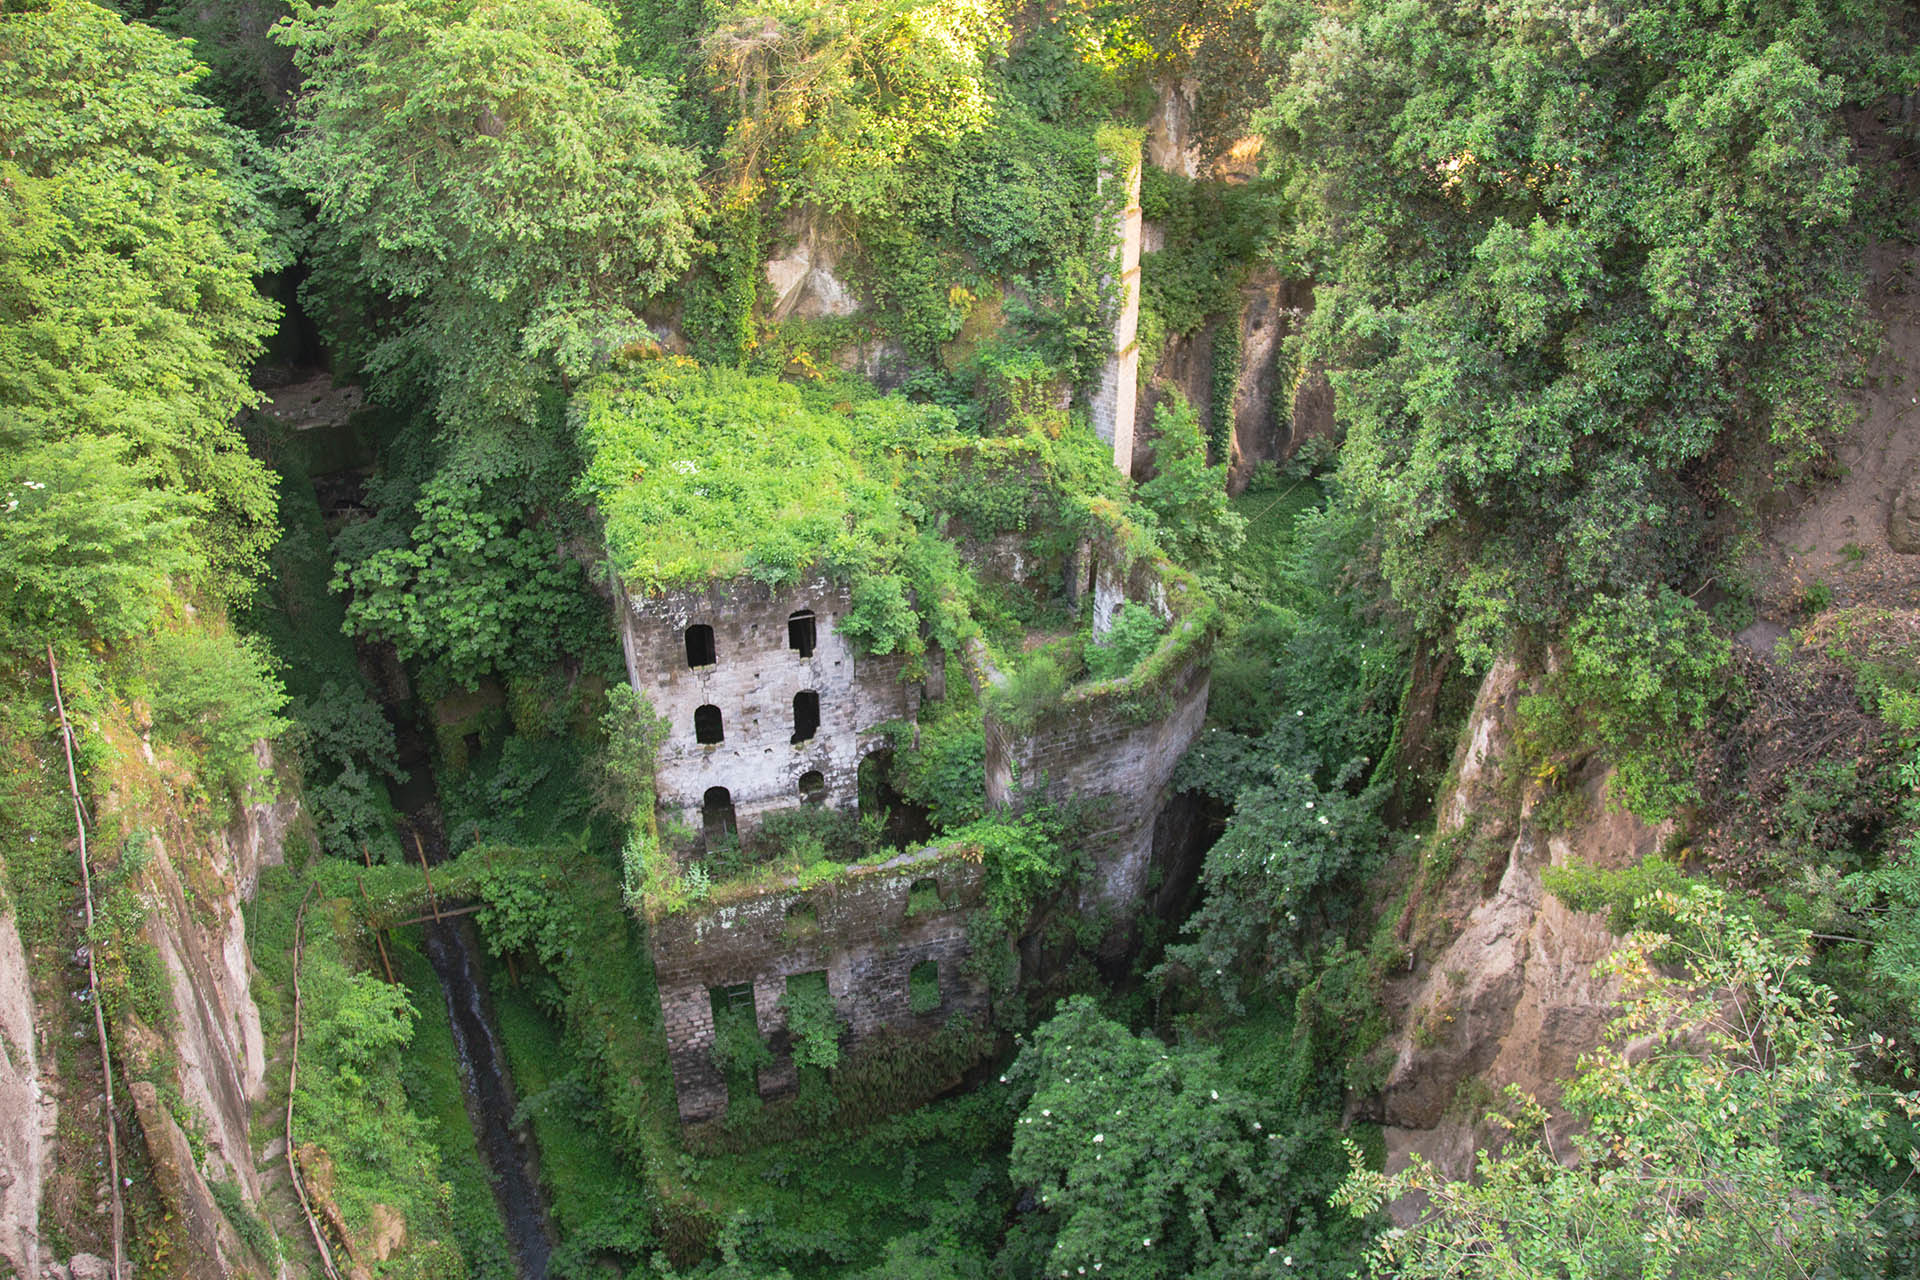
(1111, 405)
(1096, 753)
(752, 681)
(857, 929)
(1114, 745)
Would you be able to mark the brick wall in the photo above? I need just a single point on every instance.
(861, 935)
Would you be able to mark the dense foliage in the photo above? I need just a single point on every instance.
(1580, 265)
(495, 168)
(128, 313)
(1587, 282)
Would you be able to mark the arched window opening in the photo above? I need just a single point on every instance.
(813, 786)
(800, 632)
(717, 822)
(700, 645)
(706, 726)
(806, 715)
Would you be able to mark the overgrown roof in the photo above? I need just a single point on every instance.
(702, 474)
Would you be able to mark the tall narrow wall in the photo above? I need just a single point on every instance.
(1112, 404)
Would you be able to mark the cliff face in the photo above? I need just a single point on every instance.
(207, 1053)
(26, 1123)
(1503, 990)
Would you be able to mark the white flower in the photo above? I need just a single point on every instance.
(1214, 1094)
(686, 466)
(1099, 1137)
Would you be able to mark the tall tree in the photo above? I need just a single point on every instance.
(130, 236)
(1579, 264)
(491, 164)
(830, 100)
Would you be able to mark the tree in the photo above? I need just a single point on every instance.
(130, 240)
(1153, 1161)
(1579, 263)
(1188, 498)
(1729, 1131)
(494, 166)
(830, 99)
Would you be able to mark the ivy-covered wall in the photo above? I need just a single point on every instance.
(1110, 746)
(866, 928)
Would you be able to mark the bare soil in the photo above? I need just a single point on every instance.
(1834, 540)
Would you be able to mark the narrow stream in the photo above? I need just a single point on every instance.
(452, 946)
(454, 950)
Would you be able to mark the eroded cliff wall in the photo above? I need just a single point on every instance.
(1501, 989)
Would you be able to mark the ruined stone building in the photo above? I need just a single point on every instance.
(768, 707)
(767, 703)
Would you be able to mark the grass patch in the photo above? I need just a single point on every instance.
(598, 1207)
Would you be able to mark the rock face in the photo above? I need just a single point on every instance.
(1512, 998)
(1903, 519)
(25, 1119)
(193, 885)
(205, 1243)
(802, 283)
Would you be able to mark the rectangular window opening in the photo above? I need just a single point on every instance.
(923, 987)
(800, 632)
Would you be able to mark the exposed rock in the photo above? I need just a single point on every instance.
(86, 1266)
(1263, 428)
(803, 281)
(1903, 519)
(316, 1171)
(386, 1233)
(23, 1150)
(205, 1243)
(1512, 999)
(1170, 142)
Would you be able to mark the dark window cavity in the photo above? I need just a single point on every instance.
(706, 726)
(813, 785)
(716, 816)
(700, 645)
(806, 715)
(800, 633)
(733, 998)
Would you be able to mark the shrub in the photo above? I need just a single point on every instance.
(1135, 633)
(219, 691)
